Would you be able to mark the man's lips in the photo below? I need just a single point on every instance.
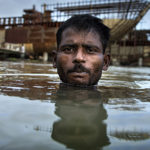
(78, 74)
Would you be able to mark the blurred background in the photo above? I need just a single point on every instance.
(27, 29)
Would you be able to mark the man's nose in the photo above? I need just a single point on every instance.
(79, 56)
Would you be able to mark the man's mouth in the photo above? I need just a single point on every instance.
(78, 70)
(78, 78)
(78, 74)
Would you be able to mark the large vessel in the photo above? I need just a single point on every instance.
(36, 30)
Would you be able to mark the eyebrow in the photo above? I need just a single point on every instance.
(91, 46)
(70, 45)
(83, 45)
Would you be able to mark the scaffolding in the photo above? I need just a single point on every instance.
(104, 9)
(120, 15)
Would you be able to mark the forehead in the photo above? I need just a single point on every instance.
(72, 35)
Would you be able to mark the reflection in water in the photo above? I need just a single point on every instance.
(131, 135)
(30, 88)
(35, 113)
(81, 113)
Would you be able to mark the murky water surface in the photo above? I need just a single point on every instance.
(39, 113)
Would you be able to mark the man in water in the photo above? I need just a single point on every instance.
(80, 56)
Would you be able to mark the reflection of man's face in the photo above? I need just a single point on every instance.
(81, 123)
(80, 57)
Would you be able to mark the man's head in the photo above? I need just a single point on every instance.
(81, 44)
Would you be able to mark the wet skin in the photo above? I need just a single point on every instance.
(79, 59)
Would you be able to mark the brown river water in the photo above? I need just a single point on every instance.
(38, 112)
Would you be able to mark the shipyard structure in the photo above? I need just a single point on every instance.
(34, 33)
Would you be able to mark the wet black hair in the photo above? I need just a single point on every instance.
(85, 23)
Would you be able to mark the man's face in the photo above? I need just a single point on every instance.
(79, 59)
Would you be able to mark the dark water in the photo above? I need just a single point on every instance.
(39, 113)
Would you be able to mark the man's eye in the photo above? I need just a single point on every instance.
(91, 50)
(67, 49)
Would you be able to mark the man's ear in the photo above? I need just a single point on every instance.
(106, 61)
(54, 54)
